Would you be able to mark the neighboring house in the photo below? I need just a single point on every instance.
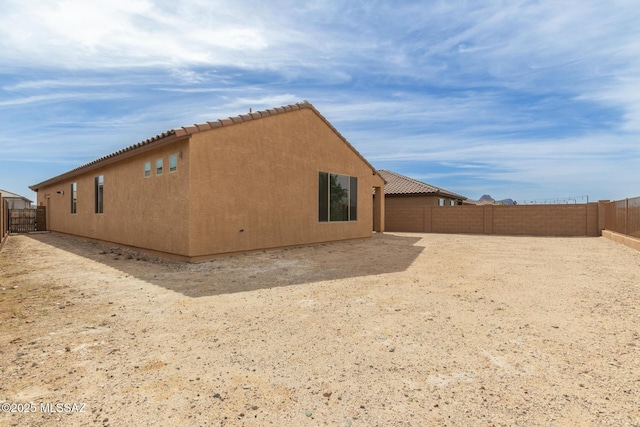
(401, 190)
(408, 202)
(15, 201)
(267, 179)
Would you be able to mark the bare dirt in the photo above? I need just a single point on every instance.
(397, 330)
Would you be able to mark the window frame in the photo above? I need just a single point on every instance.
(173, 163)
(159, 166)
(99, 194)
(147, 169)
(74, 197)
(331, 206)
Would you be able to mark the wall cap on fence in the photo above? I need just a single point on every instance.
(632, 242)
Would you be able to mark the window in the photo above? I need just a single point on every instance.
(74, 197)
(173, 163)
(452, 202)
(440, 202)
(337, 197)
(99, 185)
(147, 169)
(353, 198)
(159, 167)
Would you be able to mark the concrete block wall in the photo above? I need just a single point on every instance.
(523, 220)
(542, 220)
(457, 219)
(403, 218)
(3, 220)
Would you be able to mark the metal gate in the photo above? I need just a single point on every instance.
(27, 220)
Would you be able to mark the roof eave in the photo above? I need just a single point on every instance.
(125, 153)
(185, 132)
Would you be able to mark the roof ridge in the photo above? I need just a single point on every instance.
(408, 178)
(419, 187)
(240, 118)
(185, 131)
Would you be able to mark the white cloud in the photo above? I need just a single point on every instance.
(85, 34)
(524, 91)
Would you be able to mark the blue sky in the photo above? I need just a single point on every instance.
(530, 100)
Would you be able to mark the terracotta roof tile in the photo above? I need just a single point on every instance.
(403, 185)
(184, 131)
(190, 129)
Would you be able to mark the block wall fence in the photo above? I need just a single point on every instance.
(4, 220)
(525, 220)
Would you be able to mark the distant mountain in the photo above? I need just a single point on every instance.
(488, 199)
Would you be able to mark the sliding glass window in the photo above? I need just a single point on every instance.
(337, 197)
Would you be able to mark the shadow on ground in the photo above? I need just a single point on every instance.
(382, 254)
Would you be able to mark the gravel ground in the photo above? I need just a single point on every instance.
(402, 329)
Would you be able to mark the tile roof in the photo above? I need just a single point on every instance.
(403, 185)
(186, 131)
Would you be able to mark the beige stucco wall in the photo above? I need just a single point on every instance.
(145, 212)
(254, 185)
(251, 185)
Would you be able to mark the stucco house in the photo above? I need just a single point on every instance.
(401, 190)
(266, 179)
(15, 201)
(403, 195)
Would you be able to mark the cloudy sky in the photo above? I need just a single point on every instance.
(530, 100)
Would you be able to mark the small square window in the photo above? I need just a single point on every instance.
(159, 167)
(452, 202)
(173, 163)
(440, 202)
(147, 168)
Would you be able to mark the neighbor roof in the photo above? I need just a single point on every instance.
(9, 195)
(398, 185)
(184, 132)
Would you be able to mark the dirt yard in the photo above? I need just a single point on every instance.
(397, 330)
